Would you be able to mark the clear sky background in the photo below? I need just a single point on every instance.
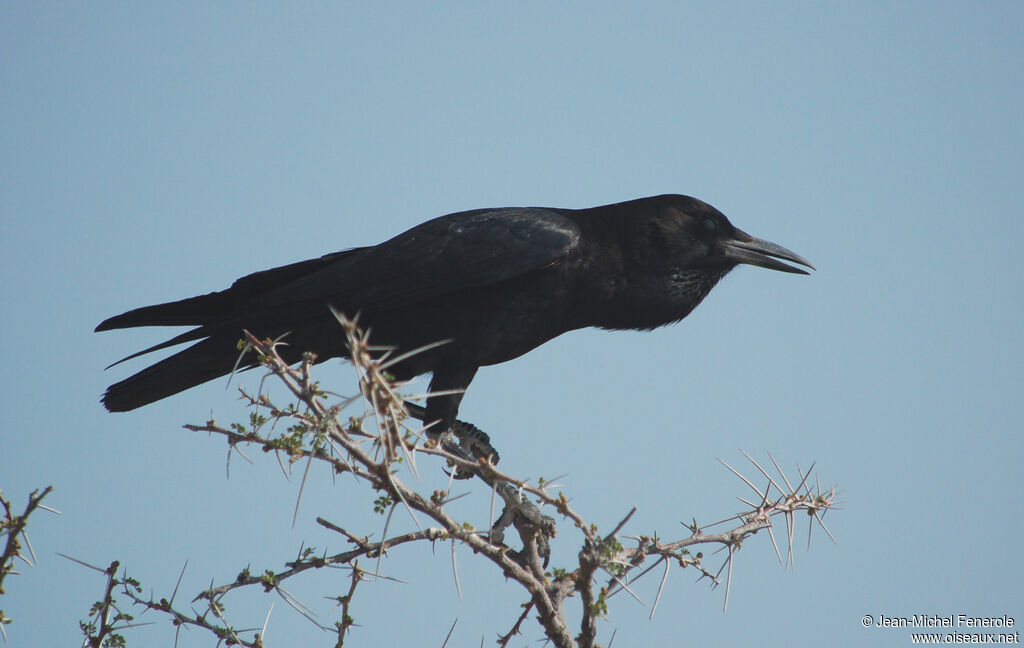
(155, 151)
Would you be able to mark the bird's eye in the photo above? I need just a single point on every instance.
(709, 226)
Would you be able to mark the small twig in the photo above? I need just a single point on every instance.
(505, 638)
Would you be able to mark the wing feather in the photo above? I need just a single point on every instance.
(448, 254)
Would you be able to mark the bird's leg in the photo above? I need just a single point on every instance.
(458, 437)
(475, 440)
(472, 444)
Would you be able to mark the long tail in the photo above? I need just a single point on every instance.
(203, 361)
(220, 318)
(222, 305)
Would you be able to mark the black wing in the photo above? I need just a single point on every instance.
(448, 254)
(445, 255)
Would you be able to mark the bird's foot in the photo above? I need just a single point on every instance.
(475, 441)
(462, 440)
(471, 443)
(450, 444)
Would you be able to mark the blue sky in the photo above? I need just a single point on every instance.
(156, 152)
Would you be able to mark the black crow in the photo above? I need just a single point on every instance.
(493, 283)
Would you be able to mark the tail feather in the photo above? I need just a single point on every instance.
(193, 311)
(201, 362)
(187, 336)
(216, 306)
(220, 318)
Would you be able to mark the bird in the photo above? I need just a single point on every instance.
(493, 284)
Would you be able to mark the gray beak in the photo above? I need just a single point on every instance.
(744, 248)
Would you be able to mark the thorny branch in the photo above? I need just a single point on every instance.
(12, 527)
(311, 429)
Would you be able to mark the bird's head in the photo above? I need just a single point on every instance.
(679, 250)
(687, 233)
